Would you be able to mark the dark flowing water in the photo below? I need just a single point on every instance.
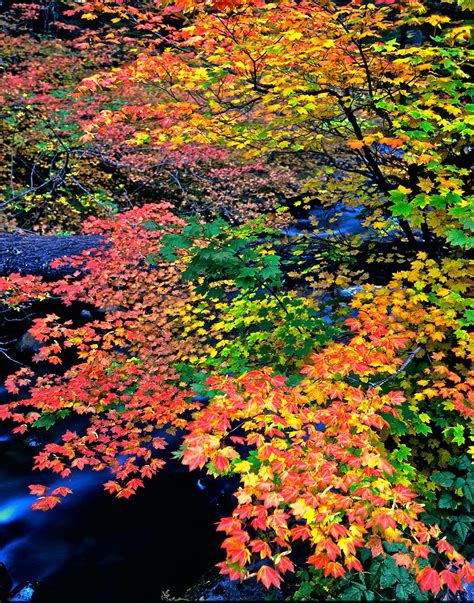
(337, 221)
(93, 547)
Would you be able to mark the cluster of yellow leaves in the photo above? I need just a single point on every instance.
(319, 472)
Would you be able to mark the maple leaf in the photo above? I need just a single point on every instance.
(285, 565)
(384, 520)
(268, 577)
(37, 490)
(272, 499)
(396, 397)
(125, 493)
(278, 381)
(421, 550)
(319, 560)
(337, 530)
(467, 572)
(300, 533)
(112, 487)
(261, 547)
(332, 550)
(404, 494)
(221, 463)
(80, 463)
(403, 559)
(260, 521)
(229, 525)
(237, 439)
(45, 503)
(333, 568)
(375, 545)
(146, 471)
(451, 580)
(61, 491)
(194, 458)
(240, 556)
(4, 408)
(353, 563)
(429, 580)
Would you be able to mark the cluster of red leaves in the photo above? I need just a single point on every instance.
(122, 379)
(311, 459)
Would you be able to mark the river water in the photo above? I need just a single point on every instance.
(94, 547)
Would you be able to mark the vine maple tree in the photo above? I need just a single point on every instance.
(123, 379)
(311, 459)
(341, 81)
(53, 181)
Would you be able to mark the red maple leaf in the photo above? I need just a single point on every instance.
(268, 576)
(429, 580)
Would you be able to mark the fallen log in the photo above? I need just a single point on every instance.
(33, 254)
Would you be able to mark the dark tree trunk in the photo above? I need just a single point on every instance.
(32, 254)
